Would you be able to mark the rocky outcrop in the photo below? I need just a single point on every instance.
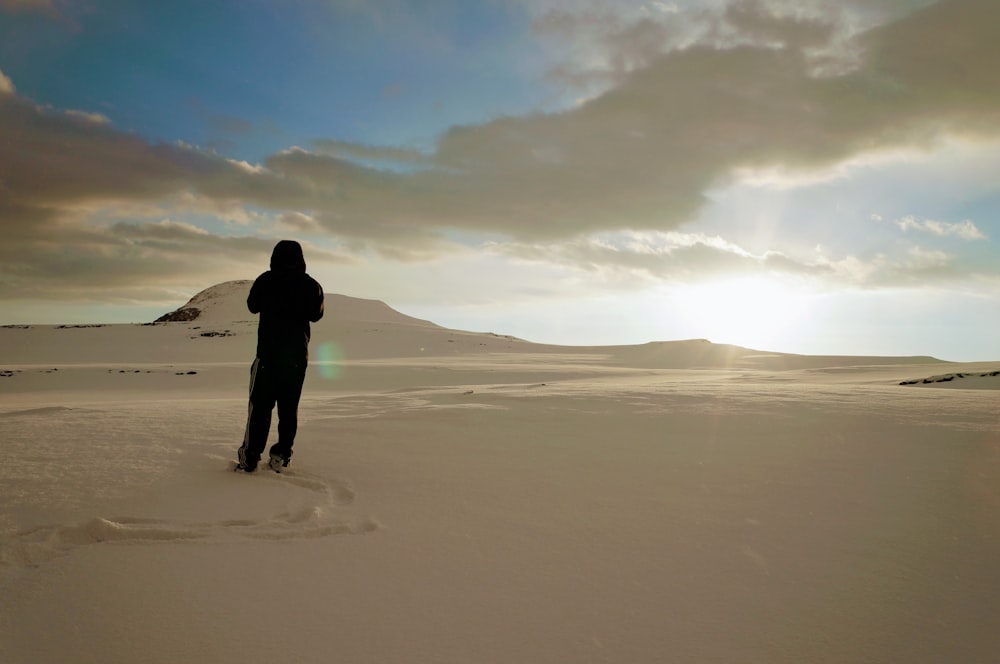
(182, 315)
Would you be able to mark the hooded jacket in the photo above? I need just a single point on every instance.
(287, 300)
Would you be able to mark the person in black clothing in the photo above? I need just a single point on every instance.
(287, 300)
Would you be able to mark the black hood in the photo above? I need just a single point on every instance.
(287, 255)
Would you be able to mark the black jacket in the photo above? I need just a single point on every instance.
(287, 300)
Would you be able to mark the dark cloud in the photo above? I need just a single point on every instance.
(71, 259)
(58, 173)
(51, 159)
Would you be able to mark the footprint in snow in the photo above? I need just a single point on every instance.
(319, 518)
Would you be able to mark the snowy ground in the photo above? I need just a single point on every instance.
(498, 507)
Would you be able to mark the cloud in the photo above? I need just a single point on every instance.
(72, 259)
(299, 222)
(96, 118)
(72, 186)
(920, 266)
(6, 85)
(635, 258)
(369, 153)
(54, 160)
(601, 41)
(965, 230)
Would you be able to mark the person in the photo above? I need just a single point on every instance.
(288, 300)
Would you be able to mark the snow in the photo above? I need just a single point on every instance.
(469, 497)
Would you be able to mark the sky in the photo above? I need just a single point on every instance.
(807, 176)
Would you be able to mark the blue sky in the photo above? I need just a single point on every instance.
(809, 176)
(252, 77)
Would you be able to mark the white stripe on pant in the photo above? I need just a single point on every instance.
(242, 453)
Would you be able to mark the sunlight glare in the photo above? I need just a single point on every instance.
(759, 312)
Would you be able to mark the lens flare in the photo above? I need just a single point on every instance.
(328, 360)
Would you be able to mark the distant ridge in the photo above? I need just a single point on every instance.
(703, 354)
(349, 322)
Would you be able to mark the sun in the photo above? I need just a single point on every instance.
(757, 311)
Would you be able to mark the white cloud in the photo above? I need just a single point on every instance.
(631, 259)
(246, 166)
(86, 116)
(599, 42)
(368, 153)
(6, 85)
(921, 258)
(299, 222)
(965, 230)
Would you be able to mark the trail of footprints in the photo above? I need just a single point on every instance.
(319, 518)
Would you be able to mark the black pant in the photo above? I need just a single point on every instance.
(271, 382)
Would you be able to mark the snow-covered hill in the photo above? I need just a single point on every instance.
(226, 303)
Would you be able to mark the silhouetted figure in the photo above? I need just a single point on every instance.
(287, 300)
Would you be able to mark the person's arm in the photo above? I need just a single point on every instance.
(317, 310)
(253, 299)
